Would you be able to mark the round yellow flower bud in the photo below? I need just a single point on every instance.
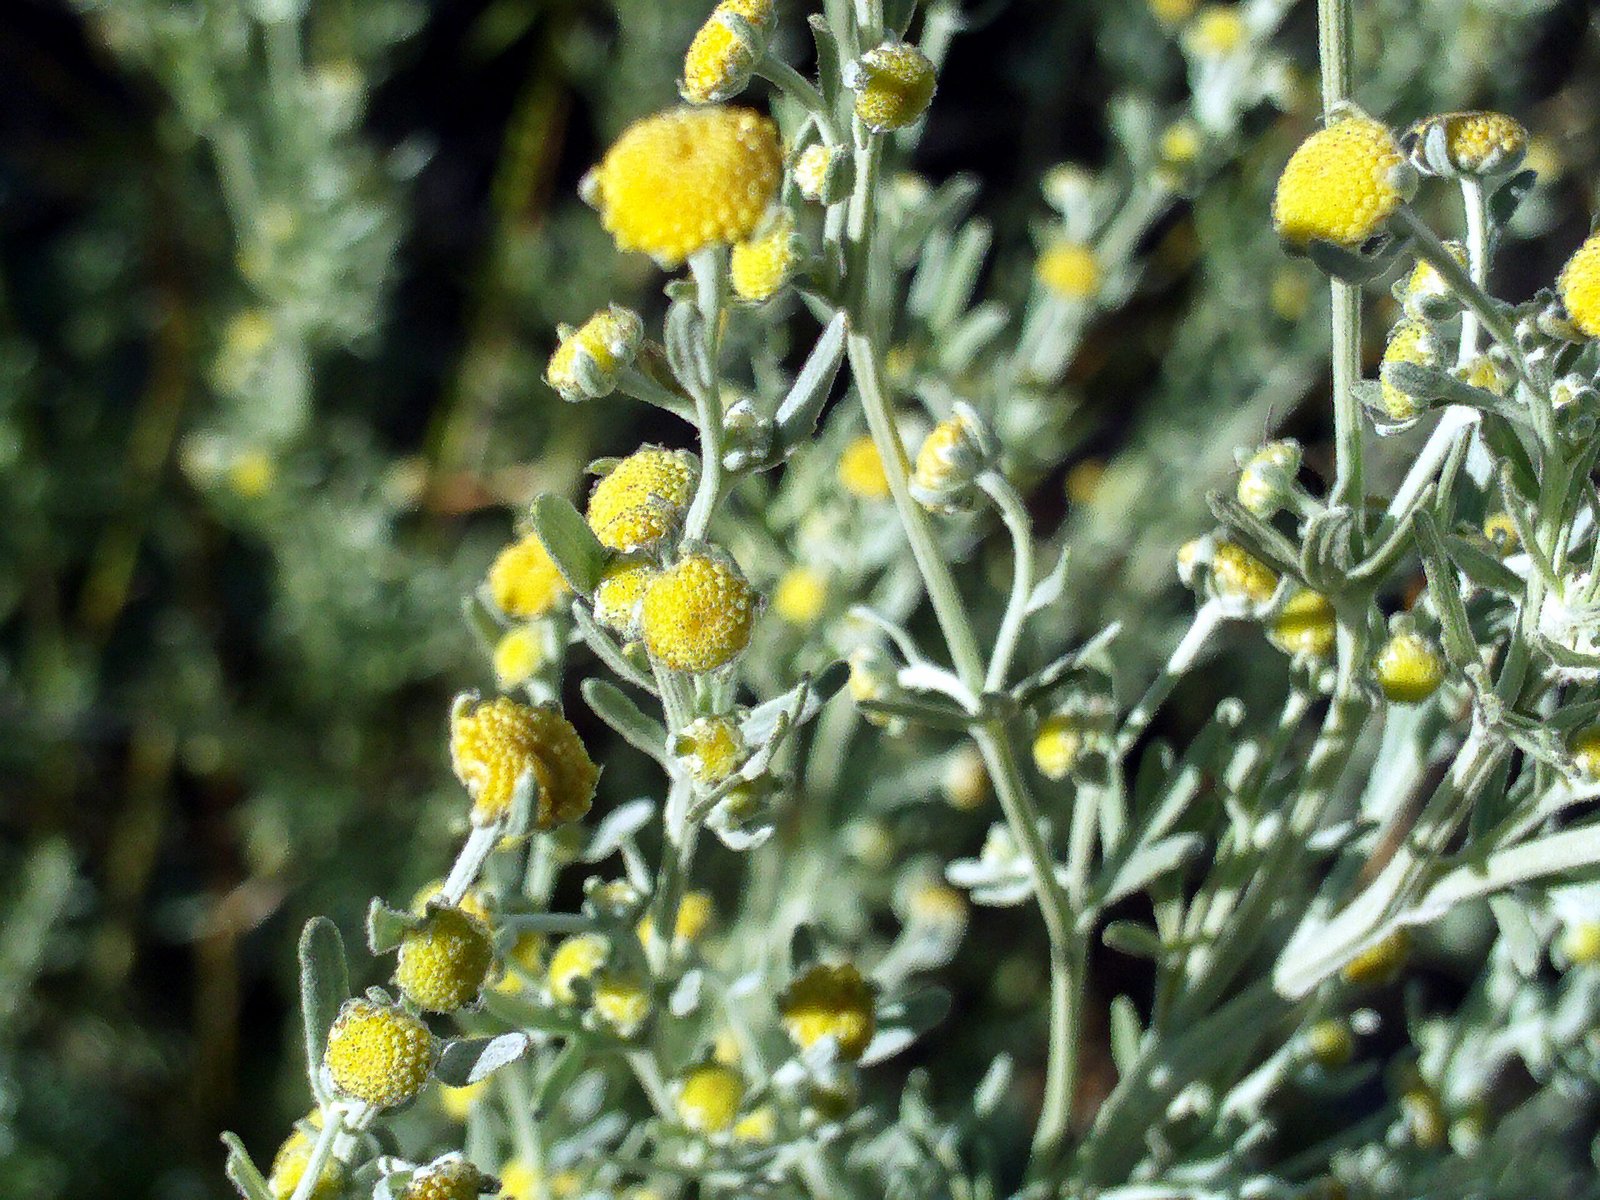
(718, 65)
(1424, 1117)
(378, 1054)
(709, 1097)
(1579, 286)
(830, 1001)
(520, 1180)
(1069, 270)
(822, 173)
(1216, 31)
(947, 464)
(861, 470)
(621, 1001)
(252, 474)
(1305, 626)
(524, 581)
(698, 613)
(759, 1126)
(449, 1178)
(1502, 533)
(1341, 185)
(1331, 1043)
(1173, 12)
(1580, 943)
(1409, 668)
(711, 749)
(1380, 963)
(586, 364)
(1424, 293)
(1265, 479)
(518, 655)
(1585, 750)
(1057, 743)
(493, 743)
(694, 918)
(1180, 143)
(685, 179)
(526, 956)
(289, 1166)
(1239, 575)
(894, 85)
(760, 266)
(578, 957)
(619, 594)
(642, 499)
(966, 780)
(801, 595)
(1467, 143)
(443, 964)
(1409, 342)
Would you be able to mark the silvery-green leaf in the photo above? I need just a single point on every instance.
(1132, 938)
(1125, 1034)
(685, 998)
(468, 1060)
(556, 1083)
(481, 621)
(618, 826)
(241, 1170)
(829, 71)
(1048, 590)
(1459, 644)
(1352, 266)
(992, 1088)
(1517, 934)
(796, 419)
(579, 557)
(800, 703)
(1147, 863)
(612, 705)
(386, 926)
(324, 986)
(902, 1022)
(686, 347)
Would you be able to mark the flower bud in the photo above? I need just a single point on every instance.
(823, 173)
(642, 499)
(1239, 576)
(1585, 750)
(379, 1054)
(711, 749)
(698, 613)
(708, 1098)
(830, 1001)
(524, 581)
(801, 595)
(619, 597)
(589, 359)
(449, 1177)
(443, 964)
(1579, 287)
(1409, 668)
(1068, 270)
(1410, 342)
(518, 655)
(725, 51)
(1331, 1043)
(950, 461)
(1424, 292)
(1307, 625)
(1057, 744)
(1472, 144)
(290, 1163)
(893, 83)
(1341, 185)
(1267, 479)
(1380, 963)
(760, 266)
(861, 470)
(493, 744)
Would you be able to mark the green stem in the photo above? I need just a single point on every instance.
(321, 1151)
(1016, 518)
(802, 91)
(709, 268)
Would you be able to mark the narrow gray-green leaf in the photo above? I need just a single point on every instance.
(324, 986)
(242, 1172)
(612, 705)
(580, 558)
(468, 1060)
(796, 419)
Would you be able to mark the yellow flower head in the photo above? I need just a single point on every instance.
(1216, 31)
(698, 613)
(685, 179)
(718, 64)
(1409, 668)
(1341, 185)
(966, 779)
(711, 749)
(520, 1180)
(1585, 750)
(619, 596)
(830, 1001)
(1180, 143)
(586, 364)
(1305, 626)
(1069, 270)
(1057, 743)
(289, 1168)
(1236, 574)
(449, 1178)
(642, 500)
(760, 266)
(578, 957)
(1484, 372)
(443, 964)
(1501, 531)
(694, 918)
(759, 1126)
(379, 1053)
(252, 474)
(525, 956)
(1424, 292)
(1467, 143)
(894, 85)
(518, 655)
(861, 470)
(709, 1097)
(1379, 963)
(1410, 342)
(1173, 12)
(1266, 478)
(800, 595)
(1580, 943)
(622, 1001)
(1331, 1043)
(524, 581)
(948, 462)
(822, 173)
(493, 743)
(1579, 286)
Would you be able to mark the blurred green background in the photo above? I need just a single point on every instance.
(276, 289)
